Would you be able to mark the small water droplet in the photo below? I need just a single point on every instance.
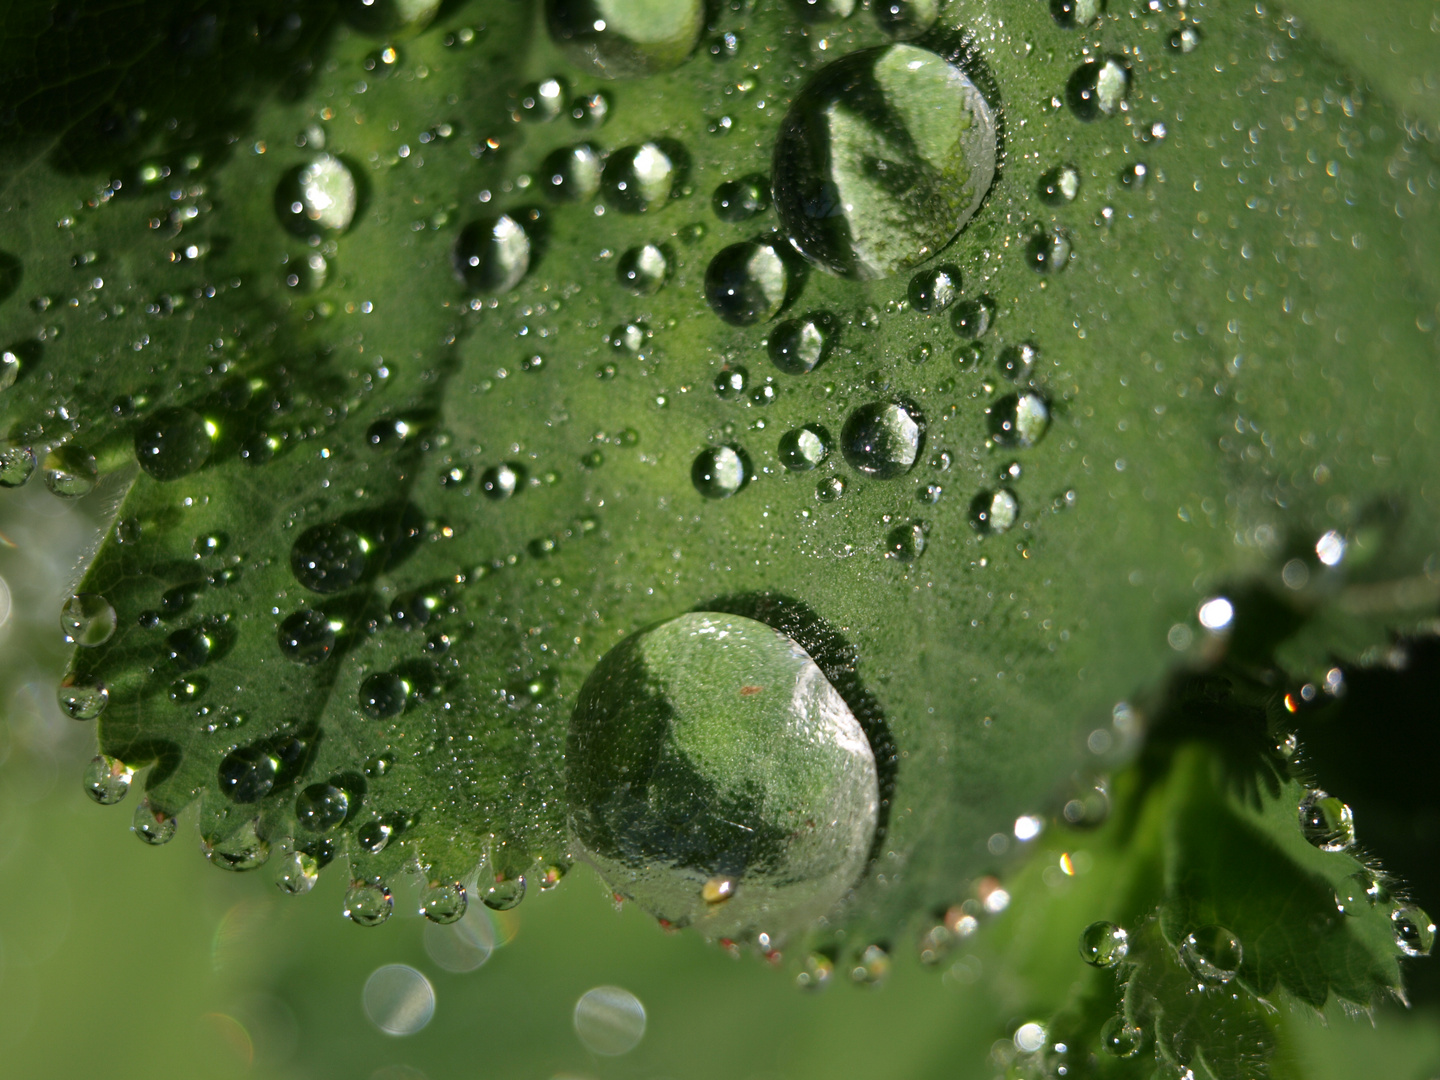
(799, 346)
(368, 903)
(189, 648)
(503, 893)
(637, 177)
(321, 807)
(1186, 39)
(1120, 1039)
(83, 699)
(1060, 185)
(328, 558)
(883, 158)
(320, 196)
(609, 1020)
(107, 779)
(830, 488)
(1018, 420)
(383, 694)
(625, 39)
(247, 774)
(443, 902)
(884, 439)
(172, 443)
(1099, 87)
(719, 472)
(1414, 932)
(571, 174)
(297, 873)
(1212, 953)
(804, 448)
(87, 619)
(152, 826)
(492, 254)
(306, 637)
(1327, 822)
(17, 465)
(70, 472)
(906, 543)
(740, 200)
(934, 289)
(1103, 944)
(748, 282)
(643, 269)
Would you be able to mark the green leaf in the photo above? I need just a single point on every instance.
(1234, 362)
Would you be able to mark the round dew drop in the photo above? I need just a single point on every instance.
(625, 39)
(571, 174)
(240, 852)
(643, 269)
(1326, 822)
(504, 893)
(443, 902)
(368, 903)
(971, 319)
(712, 746)
(1104, 945)
(107, 779)
(720, 472)
(70, 472)
(1212, 954)
(818, 11)
(248, 774)
(1060, 185)
(932, 291)
(906, 19)
(1414, 932)
(297, 873)
(318, 197)
(906, 542)
(500, 481)
(1019, 420)
(637, 177)
(799, 346)
(83, 699)
(740, 200)
(87, 619)
(152, 826)
(1099, 88)
(172, 443)
(320, 807)
(1119, 1039)
(1075, 13)
(306, 637)
(883, 158)
(884, 439)
(383, 695)
(747, 283)
(492, 255)
(804, 448)
(17, 465)
(328, 558)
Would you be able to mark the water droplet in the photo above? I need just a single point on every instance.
(629, 338)
(383, 17)
(501, 481)
(503, 893)
(1029, 1037)
(906, 19)
(1073, 13)
(1049, 251)
(388, 434)
(1326, 822)
(172, 443)
(1018, 361)
(638, 176)
(248, 773)
(1414, 932)
(306, 637)
(317, 197)
(792, 835)
(571, 174)
(189, 648)
(929, 494)
(107, 779)
(539, 102)
(906, 542)
(799, 346)
(624, 39)
(804, 448)
(994, 511)
(883, 158)
(492, 254)
(297, 873)
(719, 472)
(1103, 944)
(374, 836)
(368, 903)
(152, 826)
(1060, 185)
(17, 465)
(740, 200)
(972, 318)
(321, 807)
(87, 619)
(934, 289)
(328, 558)
(83, 699)
(642, 269)
(1330, 548)
(747, 283)
(591, 110)
(1186, 39)
(383, 694)
(443, 902)
(243, 850)
(1099, 87)
(1119, 1039)
(609, 1020)
(1135, 175)
(1018, 420)
(830, 488)
(1212, 954)
(884, 439)
(70, 472)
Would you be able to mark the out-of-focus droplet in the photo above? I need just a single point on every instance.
(70, 472)
(398, 999)
(1212, 954)
(318, 197)
(609, 1020)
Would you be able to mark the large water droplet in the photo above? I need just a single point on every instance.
(1326, 822)
(87, 619)
(368, 903)
(713, 746)
(1049, 250)
(1414, 932)
(503, 893)
(1073, 13)
(297, 873)
(383, 695)
(623, 39)
(172, 443)
(189, 648)
(1099, 87)
(1018, 420)
(152, 826)
(642, 269)
(243, 850)
(1018, 361)
(320, 196)
(321, 807)
(328, 558)
(906, 542)
(972, 318)
(501, 481)
(934, 289)
(386, 17)
(17, 465)
(443, 902)
(636, 177)
(248, 773)
(815, 11)
(906, 19)
(884, 439)
(609, 1020)
(740, 200)
(306, 637)
(1060, 185)
(1120, 1039)
(107, 779)
(747, 283)
(884, 156)
(1103, 944)
(70, 472)
(804, 448)
(1212, 954)
(83, 699)
(492, 254)
(571, 174)
(798, 346)
(719, 472)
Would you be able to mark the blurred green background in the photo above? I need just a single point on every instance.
(125, 961)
